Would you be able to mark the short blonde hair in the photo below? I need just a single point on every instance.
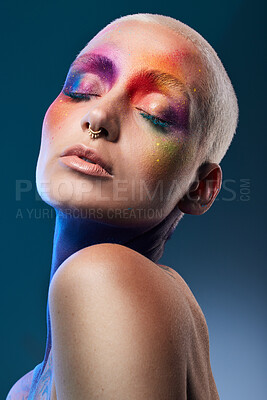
(215, 113)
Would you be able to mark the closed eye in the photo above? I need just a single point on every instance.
(158, 122)
(80, 96)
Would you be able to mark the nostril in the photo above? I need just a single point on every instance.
(104, 132)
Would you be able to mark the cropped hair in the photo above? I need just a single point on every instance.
(214, 112)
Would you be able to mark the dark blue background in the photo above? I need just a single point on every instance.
(220, 255)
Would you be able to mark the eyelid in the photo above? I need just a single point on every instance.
(78, 95)
(154, 116)
(77, 78)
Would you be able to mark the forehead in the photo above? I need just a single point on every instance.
(137, 44)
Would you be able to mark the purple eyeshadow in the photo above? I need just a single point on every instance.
(178, 115)
(96, 64)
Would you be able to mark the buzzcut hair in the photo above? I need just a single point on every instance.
(214, 112)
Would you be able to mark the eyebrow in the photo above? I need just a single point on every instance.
(150, 80)
(96, 63)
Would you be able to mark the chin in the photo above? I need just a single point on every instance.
(77, 196)
(65, 190)
(68, 203)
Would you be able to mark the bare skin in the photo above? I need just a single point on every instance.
(125, 319)
(179, 307)
(124, 327)
(47, 389)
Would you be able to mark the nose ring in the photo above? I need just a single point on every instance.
(93, 134)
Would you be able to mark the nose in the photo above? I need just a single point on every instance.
(104, 115)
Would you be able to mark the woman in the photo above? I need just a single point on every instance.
(131, 144)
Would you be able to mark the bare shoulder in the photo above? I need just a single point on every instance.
(116, 266)
(119, 263)
(114, 258)
(124, 318)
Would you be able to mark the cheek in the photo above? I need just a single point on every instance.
(165, 169)
(55, 118)
(167, 158)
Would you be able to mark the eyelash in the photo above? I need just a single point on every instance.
(159, 123)
(155, 121)
(80, 96)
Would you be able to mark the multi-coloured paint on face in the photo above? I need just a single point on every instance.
(185, 63)
(93, 73)
(88, 73)
(148, 119)
(169, 114)
(163, 92)
(57, 116)
(161, 98)
(167, 154)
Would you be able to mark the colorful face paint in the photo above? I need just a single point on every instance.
(166, 111)
(155, 80)
(168, 153)
(101, 71)
(131, 88)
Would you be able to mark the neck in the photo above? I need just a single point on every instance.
(73, 234)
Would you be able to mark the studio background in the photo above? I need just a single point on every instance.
(221, 254)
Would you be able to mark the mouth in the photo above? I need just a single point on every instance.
(86, 160)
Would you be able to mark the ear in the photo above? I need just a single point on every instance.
(203, 191)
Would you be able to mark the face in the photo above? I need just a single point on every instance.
(137, 82)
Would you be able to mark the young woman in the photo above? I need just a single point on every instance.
(131, 144)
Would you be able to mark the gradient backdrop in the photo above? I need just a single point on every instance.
(221, 255)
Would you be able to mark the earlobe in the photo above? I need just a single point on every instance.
(203, 191)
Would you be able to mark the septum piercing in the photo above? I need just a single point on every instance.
(93, 134)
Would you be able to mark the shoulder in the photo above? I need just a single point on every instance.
(108, 255)
(118, 270)
(113, 258)
(115, 311)
(108, 262)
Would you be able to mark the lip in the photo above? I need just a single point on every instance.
(71, 157)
